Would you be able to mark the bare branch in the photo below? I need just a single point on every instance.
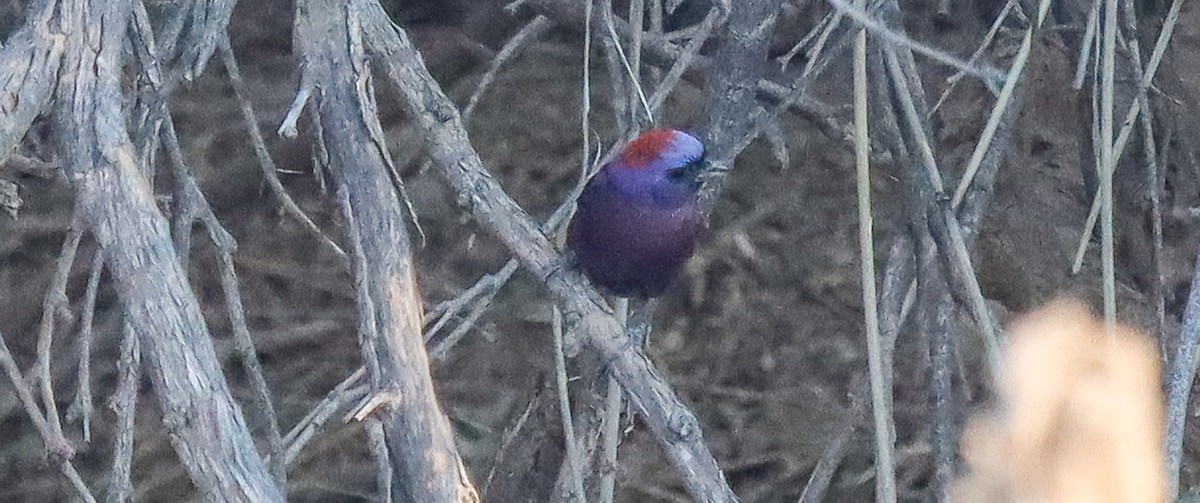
(60, 451)
(206, 425)
(81, 407)
(124, 404)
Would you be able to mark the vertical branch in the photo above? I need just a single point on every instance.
(82, 406)
(612, 419)
(885, 471)
(637, 10)
(574, 459)
(1107, 159)
(53, 307)
(124, 404)
(420, 444)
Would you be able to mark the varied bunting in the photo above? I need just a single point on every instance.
(639, 217)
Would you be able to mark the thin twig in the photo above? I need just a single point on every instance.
(885, 481)
(989, 75)
(82, 406)
(953, 80)
(1150, 151)
(953, 248)
(564, 407)
(1086, 44)
(60, 451)
(637, 11)
(197, 209)
(1179, 386)
(1108, 160)
(681, 65)
(54, 306)
(383, 466)
(531, 30)
(612, 419)
(263, 155)
(1156, 56)
(124, 404)
(1003, 101)
(351, 389)
(636, 89)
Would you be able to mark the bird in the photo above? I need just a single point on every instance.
(638, 219)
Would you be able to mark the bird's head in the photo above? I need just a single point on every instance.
(661, 165)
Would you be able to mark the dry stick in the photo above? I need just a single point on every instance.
(195, 208)
(82, 406)
(1005, 98)
(55, 444)
(675, 426)
(1086, 45)
(936, 303)
(612, 418)
(827, 465)
(383, 466)
(953, 80)
(585, 113)
(330, 36)
(613, 58)
(1149, 149)
(532, 30)
(265, 161)
(661, 51)
(656, 28)
(564, 407)
(885, 465)
(1156, 56)
(1108, 160)
(635, 89)
(637, 11)
(124, 404)
(989, 75)
(205, 423)
(818, 62)
(508, 438)
(953, 248)
(350, 390)
(671, 80)
(821, 30)
(54, 306)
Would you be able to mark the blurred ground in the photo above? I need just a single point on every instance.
(763, 336)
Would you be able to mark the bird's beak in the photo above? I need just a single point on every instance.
(692, 170)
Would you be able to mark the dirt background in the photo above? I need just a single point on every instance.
(763, 334)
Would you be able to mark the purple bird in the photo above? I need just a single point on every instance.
(639, 217)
